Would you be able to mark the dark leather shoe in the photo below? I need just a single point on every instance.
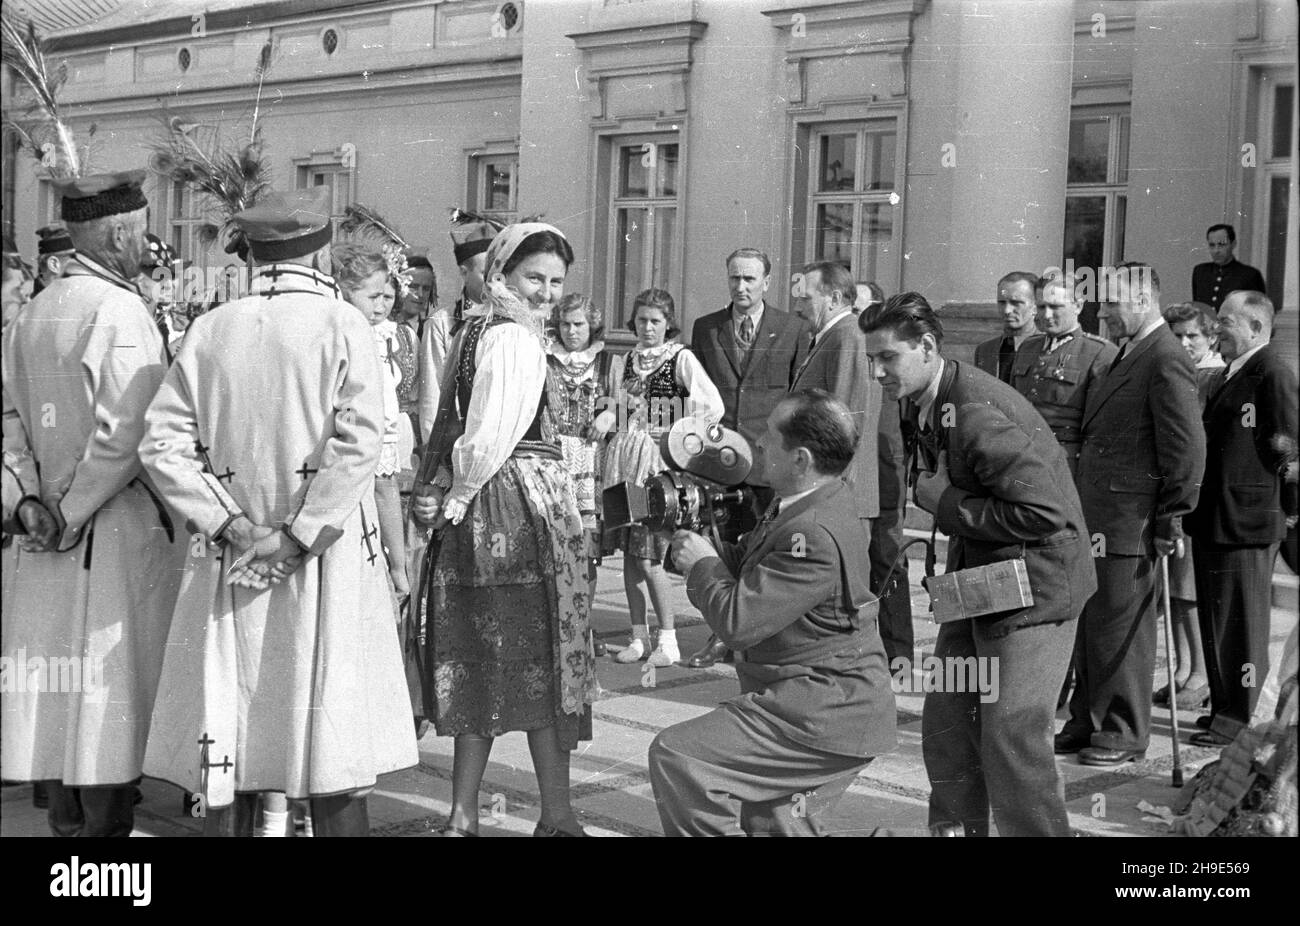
(1098, 755)
(1067, 745)
(712, 652)
(1204, 721)
(1161, 697)
(598, 648)
(1210, 739)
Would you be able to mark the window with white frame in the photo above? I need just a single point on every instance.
(494, 186)
(185, 215)
(1276, 118)
(1096, 193)
(852, 170)
(643, 229)
(332, 170)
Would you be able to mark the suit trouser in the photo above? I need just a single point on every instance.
(1115, 657)
(91, 811)
(731, 772)
(1234, 588)
(998, 755)
(896, 601)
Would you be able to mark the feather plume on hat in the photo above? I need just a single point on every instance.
(363, 225)
(22, 51)
(233, 177)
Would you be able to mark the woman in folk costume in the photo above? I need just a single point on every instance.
(507, 646)
(265, 436)
(657, 383)
(577, 387)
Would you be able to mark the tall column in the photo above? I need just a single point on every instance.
(1009, 142)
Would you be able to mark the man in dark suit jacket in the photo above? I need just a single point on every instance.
(998, 484)
(750, 350)
(1244, 510)
(791, 598)
(1139, 472)
(837, 363)
(1016, 303)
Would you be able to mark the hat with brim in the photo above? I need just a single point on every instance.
(283, 226)
(84, 199)
(53, 239)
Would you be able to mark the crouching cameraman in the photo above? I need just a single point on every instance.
(791, 599)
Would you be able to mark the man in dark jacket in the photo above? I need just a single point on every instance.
(1139, 473)
(998, 484)
(751, 351)
(1244, 509)
(792, 600)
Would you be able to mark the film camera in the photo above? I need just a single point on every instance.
(700, 491)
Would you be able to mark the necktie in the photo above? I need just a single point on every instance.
(812, 341)
(1118, 358)
(1006, 359)
(746, 332)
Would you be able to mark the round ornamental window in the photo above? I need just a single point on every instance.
(509, 15)
(183, 59)
(329, 41)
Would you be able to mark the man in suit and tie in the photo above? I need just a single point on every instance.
(1139, 473)
(998, 484)
(791, 599)
(751, 351)
(1244, 509)
(1016, 302)
(837, 363)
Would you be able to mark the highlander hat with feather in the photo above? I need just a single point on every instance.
(233, 176)
(42, 132)
(471, 234)
(364, 226)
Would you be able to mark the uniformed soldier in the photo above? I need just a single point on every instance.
(1055, 370)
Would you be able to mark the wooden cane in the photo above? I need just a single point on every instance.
(1169, 653)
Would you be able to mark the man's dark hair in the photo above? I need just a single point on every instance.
(1139, 275)
(1223, 227)
(832, 277)
(1020, 276)
(907, 315)
(877, 294)
(750, 254)
(818, 421)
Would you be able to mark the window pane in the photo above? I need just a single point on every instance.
(1121, 215)
(839, 158)
(498, 185)
(179, 196)
(880, 160)
(1283, 99)
(629, 259)
(666, 164)
(1089, 141)
(665, 237)
(1085, 241)
(835, 232)
(1279, 188)
(878, 241)
(633, 173)
(1121, 168)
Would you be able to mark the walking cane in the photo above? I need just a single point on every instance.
(1169, 654)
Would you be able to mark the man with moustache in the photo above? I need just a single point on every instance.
(1139, 473)
(1056, 370)
(997, 482)
(1244, 510)
(750, 350)
(996, 356)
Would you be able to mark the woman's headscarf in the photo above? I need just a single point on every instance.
(507, 241)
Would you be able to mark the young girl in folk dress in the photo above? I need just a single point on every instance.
(657, 383)
(577, 379)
